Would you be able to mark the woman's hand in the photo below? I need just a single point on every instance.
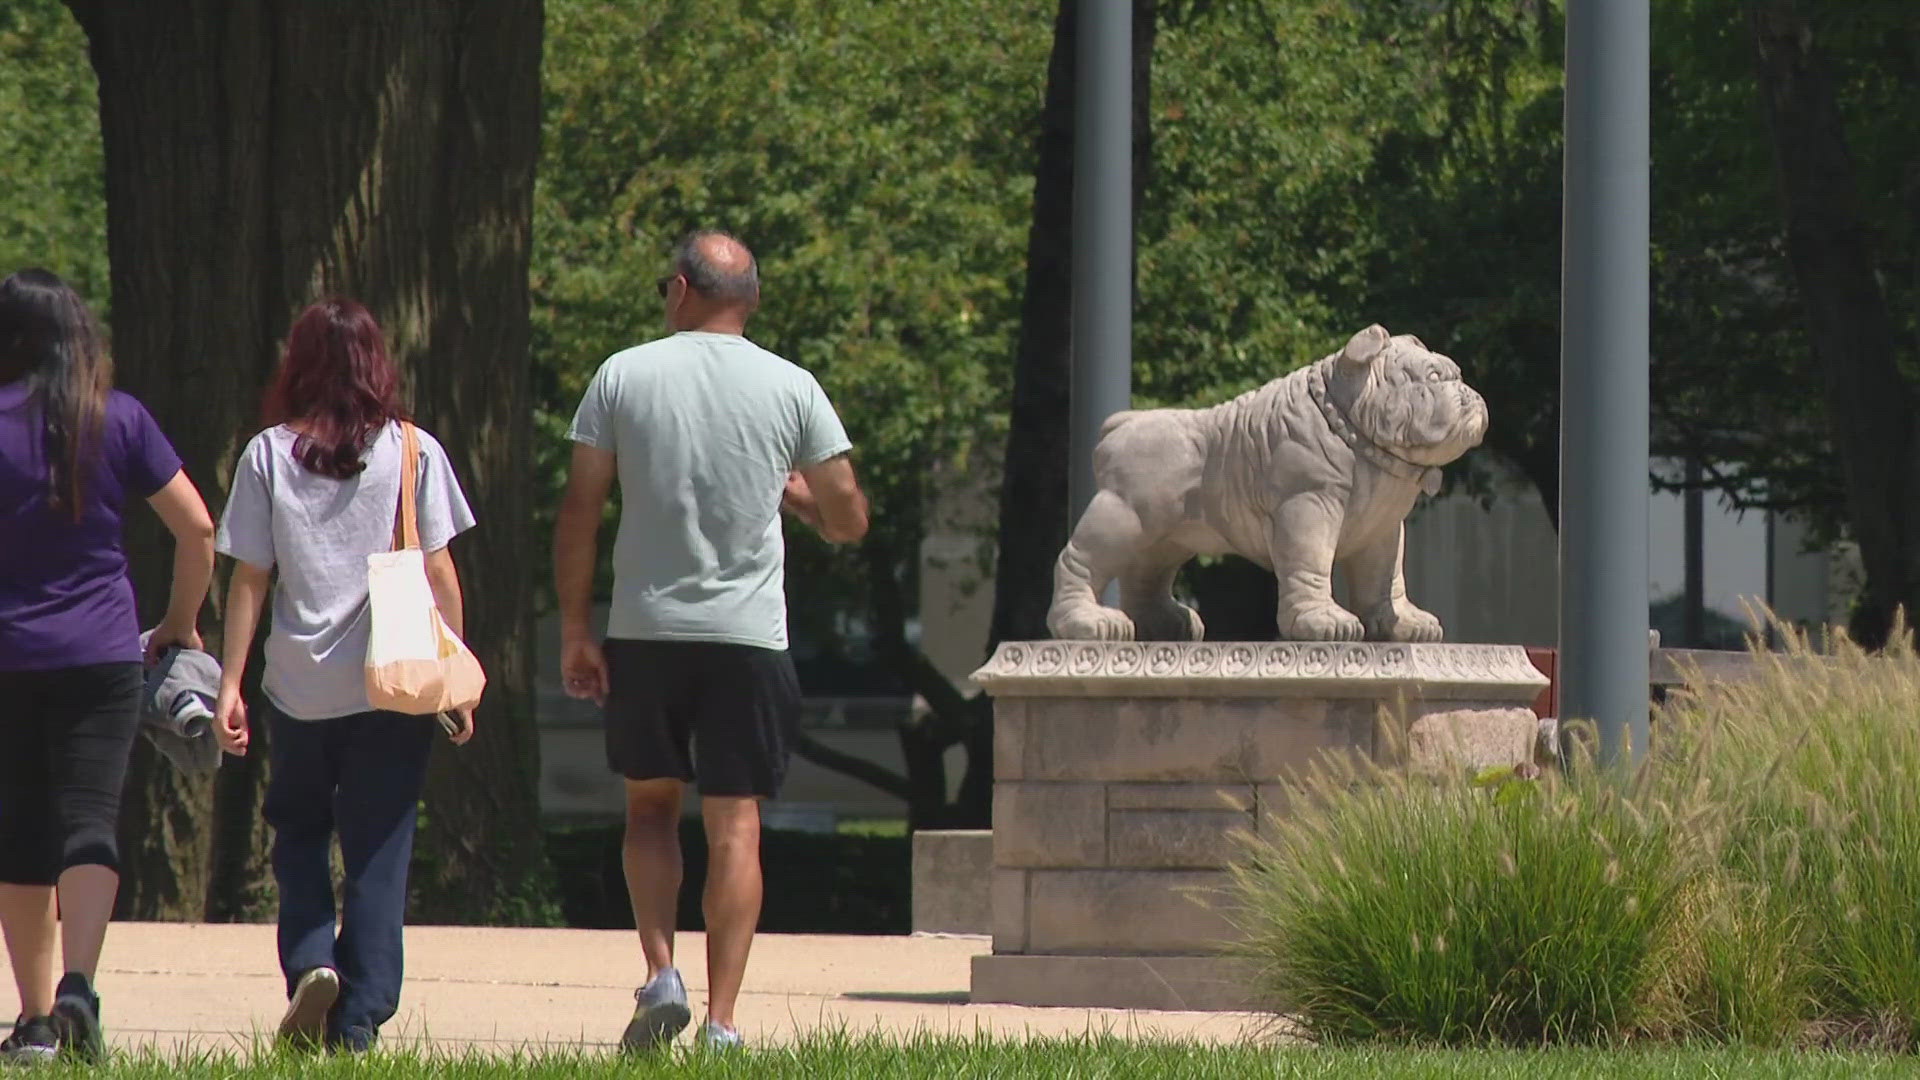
(245, 591)
(166, 635)
(230, 720)
(465, 734)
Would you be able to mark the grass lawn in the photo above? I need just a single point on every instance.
(892, 828)
(835, 1056)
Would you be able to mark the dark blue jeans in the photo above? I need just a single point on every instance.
(359, 777)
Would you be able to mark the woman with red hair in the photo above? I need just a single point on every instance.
(313, 495)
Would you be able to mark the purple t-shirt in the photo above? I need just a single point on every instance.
(65, 598)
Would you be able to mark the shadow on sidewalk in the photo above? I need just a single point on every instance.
(935, 997)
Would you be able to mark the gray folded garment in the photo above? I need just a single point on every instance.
(176, 708)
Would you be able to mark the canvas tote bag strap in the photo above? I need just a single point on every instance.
(406, 524)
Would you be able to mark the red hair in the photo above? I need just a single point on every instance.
(337, 385)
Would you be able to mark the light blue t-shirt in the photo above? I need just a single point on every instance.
(705, 428)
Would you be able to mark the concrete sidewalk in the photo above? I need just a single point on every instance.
(169, 985)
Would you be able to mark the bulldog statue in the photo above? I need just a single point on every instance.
(1315, 470)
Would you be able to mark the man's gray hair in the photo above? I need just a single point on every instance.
(715, 282)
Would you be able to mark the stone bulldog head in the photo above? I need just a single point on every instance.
(1407, 399)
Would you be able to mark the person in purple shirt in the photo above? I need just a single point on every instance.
(74, 454)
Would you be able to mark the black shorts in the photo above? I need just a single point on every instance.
(725, 715)
(68, 735)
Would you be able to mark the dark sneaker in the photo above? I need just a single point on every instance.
(76, 1018)
(31, 1042)
(355, 1040)
(305, 1023)
(659, 1013)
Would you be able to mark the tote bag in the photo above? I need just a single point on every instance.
(415, 662)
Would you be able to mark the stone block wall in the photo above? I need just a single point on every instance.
(1125, 776)
(952, 875)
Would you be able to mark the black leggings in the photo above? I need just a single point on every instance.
(65, 737)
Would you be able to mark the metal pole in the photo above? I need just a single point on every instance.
(1603, 375)
(1102, 230)
(1694, 614)
(1773, 573)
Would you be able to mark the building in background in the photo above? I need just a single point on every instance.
(1488, 568)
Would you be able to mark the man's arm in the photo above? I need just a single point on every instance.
(828, 497)
(798, 501)
(576, 533)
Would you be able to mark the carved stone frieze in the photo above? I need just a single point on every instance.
(1260, 669)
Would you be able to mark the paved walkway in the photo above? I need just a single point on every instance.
(169, 985)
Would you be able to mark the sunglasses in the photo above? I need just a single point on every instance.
(662, 285)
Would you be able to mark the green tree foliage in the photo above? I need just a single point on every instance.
(1465, 189)
(52, 207)
(1257, 239)
(1723, 292)
(874, 155)
(1862, 344)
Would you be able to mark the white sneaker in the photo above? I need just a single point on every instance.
(720, 1037)
(305, 1022)
(659, 1012)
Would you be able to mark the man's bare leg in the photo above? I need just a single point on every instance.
(732, 901)
(651, 857)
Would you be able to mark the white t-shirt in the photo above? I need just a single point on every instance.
(319, 531)
(705, 428)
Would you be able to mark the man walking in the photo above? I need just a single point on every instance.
(710, 437)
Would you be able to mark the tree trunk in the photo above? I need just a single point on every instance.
(258, 156)
(1869, 404)
(1033, 495)
(1034, 499)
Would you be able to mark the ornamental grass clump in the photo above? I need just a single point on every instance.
(1479, 910)
(1730, 968)
(1818, 759)
(1755, 880)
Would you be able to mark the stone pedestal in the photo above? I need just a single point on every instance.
(1123, 770)
(952, 875)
